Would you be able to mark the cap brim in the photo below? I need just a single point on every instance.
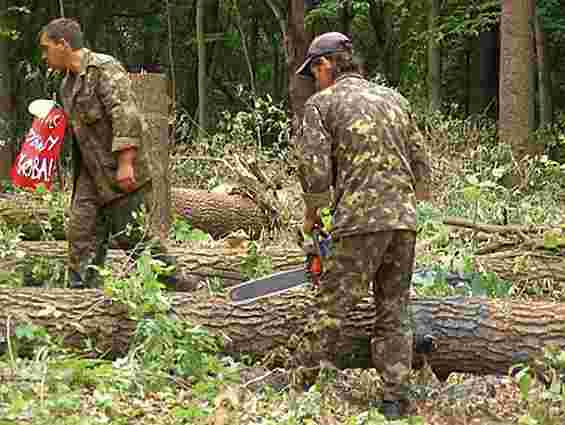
(304, 69)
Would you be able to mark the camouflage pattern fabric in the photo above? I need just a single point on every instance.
(360, 140)
(361, 154)
(93, 228)
(104, 118)
(383, 260)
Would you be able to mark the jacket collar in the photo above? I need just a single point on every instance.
(349, 75)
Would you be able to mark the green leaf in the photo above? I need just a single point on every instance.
(552, 240)
(473, 180)
(471, 193)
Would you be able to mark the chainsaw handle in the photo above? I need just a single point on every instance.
(316, 239)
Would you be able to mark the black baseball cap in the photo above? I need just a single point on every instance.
(325, 44)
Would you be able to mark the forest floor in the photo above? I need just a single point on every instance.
(52, 385)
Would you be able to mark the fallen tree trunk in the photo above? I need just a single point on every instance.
(219, 213)
(531, 257)
(215, 213)
(527, 270)
(473, 335)
(38, 217)
(196, 264)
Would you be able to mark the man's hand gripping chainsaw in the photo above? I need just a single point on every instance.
(316, 249)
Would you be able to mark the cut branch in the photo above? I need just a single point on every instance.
(493, 228)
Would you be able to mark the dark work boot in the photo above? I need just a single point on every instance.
(75, 281)
(391, 409)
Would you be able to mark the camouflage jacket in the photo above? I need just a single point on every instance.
(105, 119)
(359, 141)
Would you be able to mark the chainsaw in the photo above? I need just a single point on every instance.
(315, 249)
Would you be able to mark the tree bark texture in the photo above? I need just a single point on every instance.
(202, 75)
(434, 59)
(516, 57)
(196, 263)
(155, 104)
(215, 213)
(527, 269)
(34, 214)
(7, 105)
(544, 75)
(297, 43)
(219, 213)
(489, 72)
(472, 335)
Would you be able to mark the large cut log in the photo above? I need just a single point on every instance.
(473, 335)
(196, 264)
(219, 213)
(37, 217)
(42, 217)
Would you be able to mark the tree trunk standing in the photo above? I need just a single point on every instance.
(488, 71)
(200, 36)
(297, 43)
(7, 105)
(434, 58)
(473, 335)
(544, 75)
(516, 55)
(346, 17)
(382, 20)
(279, 75)
(152, 94)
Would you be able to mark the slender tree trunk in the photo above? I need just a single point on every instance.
(7, 106)
(516, 56)
(488, 72)
(246, 53)
(346, 17)
(297, 43)
(202, 89)
(382, 21)
(278, 75)
(544, 76)
(473, 335)
(434, 59)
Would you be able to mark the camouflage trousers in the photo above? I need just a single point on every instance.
(92, 228)
(385, 260)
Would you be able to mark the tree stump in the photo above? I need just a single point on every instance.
(155, 104)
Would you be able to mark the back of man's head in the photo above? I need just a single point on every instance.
(66, 29)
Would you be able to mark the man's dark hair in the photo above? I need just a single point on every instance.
(64, 29)
(345, 62)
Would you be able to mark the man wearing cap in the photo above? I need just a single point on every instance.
(359, 143)
(112, 182)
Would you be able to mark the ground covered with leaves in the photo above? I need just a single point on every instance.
(176, 373)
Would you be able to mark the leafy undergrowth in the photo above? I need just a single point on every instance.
(57, 387)
(176, 373)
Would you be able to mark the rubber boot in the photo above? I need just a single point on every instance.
(75, 281)
(391, 409)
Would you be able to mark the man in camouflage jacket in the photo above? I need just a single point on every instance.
(111, 175)
(359, 143)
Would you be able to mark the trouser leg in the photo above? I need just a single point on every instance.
(343, 284)
(87, 233)
(132, 232)
(393, 330)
